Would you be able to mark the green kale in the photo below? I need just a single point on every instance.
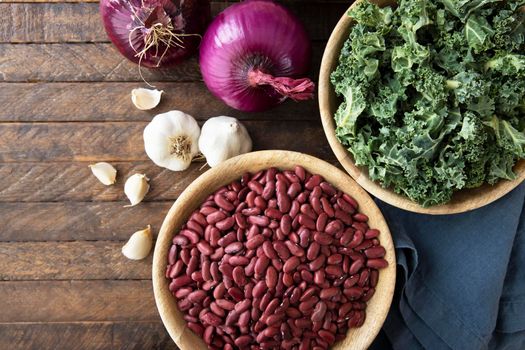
(433, 94)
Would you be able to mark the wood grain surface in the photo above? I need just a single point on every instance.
(65, 103)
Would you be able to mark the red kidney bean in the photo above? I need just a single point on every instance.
(327, 188)
(225, 224)
(376, 263)
(364, 277)
(360, 217)
(294, 249)
(223, 203)
(357, 239)
(205, 248)
(375, 252)
(273, 213)
(315, 180)
(316, 205)
(261, 265)
(335, 259)
(306, 221)
(313, 251)
(271, 277)
(351, 281)
(323, 239)
(259, 289)
(199, 218)
(355, 267)
(319, 312)
(333, 227)
(259, 220)
(334, 270)
(320, 224)
(281, 249)
(371, 233)
(291, 264)
(307, 210)
(353, 292)
(269, 251)
(374, 276)
(319, 277)
(317, 263)
(294, 190)
(367, 243)
(286, 224)
(255, 242)
(190, 235)
(260, 203)
(234, 247)
(327, 207)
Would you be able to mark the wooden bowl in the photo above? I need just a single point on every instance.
(225, 173)
(462, 201)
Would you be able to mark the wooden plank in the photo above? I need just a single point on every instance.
(50, 23)
(25, 102)
(72, 301)
(122, 141)
(85, 336)
(74, 221)
(82, 62)
(80, 22)
(29, 261)
(52, 182)
(95, 62)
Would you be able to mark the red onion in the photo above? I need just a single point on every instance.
(155, 33)
(250, 54)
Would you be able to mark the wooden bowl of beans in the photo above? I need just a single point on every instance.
(274, 250)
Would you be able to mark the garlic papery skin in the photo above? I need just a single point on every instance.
(223, 138)
(139, 245)
(135, 188)
(171, 140)
(104, 172)
(145, 99)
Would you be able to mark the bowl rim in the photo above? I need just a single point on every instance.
(233, 169)
(462, 201)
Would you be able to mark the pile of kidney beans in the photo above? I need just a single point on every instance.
(279, 259)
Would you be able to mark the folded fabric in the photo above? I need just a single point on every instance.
(461, 278)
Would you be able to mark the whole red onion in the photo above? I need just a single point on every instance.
(252, 52)
(155, 33)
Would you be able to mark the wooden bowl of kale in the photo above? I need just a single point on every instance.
(423, 102)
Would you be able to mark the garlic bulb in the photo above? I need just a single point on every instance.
(145, 99)
(104, 172)
(222, 138)
(139, 245)
(171, 140)
(135, 188)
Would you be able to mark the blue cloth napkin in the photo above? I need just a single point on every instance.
(461, 279)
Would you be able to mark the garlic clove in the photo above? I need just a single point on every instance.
(135, 188)
(223, 138)
(139, 244)
(145, 99)
(171, 140)
(104, 172)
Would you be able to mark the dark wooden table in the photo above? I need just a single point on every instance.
(64, 104)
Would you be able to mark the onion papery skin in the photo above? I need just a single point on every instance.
(187, 17)
(255, 34)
